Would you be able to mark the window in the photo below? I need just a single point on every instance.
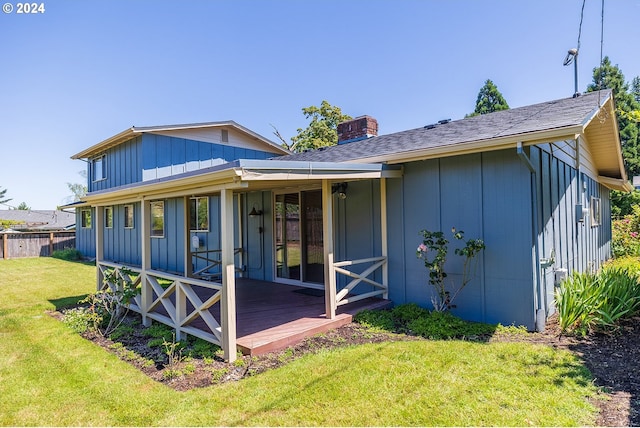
(98, 169)
(86, 219)
(157, 219)
(596, 212)
(199, 214)
(128, 216)
(108, 217)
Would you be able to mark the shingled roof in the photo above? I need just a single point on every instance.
(38, 219)
(533, 122)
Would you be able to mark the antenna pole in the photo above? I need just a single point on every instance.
(575, 77)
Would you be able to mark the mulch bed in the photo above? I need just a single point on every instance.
(611, 358)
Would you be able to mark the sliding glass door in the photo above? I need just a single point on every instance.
(298, 228)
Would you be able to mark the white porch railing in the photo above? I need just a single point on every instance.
(343, 296)
(171, 299)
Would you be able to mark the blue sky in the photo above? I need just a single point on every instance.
(85, 70)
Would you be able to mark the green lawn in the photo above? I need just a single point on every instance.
(51, 376)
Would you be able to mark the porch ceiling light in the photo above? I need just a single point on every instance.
(341, 189)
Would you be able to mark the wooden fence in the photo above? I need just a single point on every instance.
(34, 244)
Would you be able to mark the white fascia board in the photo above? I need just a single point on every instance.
(616, 183)
(105, 144)
(254, 170)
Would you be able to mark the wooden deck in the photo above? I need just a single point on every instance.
(271, 316)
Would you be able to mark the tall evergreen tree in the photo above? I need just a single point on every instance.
(489, 100)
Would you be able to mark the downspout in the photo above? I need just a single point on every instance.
(540, 313)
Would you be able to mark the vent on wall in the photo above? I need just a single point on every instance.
(225, 136)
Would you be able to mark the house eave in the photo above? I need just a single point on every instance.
(240, 175)
(477, 146)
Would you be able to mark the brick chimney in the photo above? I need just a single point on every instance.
(360, 128)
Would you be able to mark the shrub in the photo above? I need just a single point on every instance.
(376, 320)
(588, 302)
(411, 318)
(79, 319)
(433, 252)
(111, 304)
(625, 239)
(444, 325)
(69, 254)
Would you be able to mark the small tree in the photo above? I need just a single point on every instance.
(433, 251)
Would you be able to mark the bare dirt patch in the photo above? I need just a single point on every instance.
(611, 358)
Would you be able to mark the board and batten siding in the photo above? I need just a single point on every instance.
(122, 245)
(488, 197)
(164, 156)
(357, 229)
(576, 245)
(258, 247)
(86, 236)
(122, 166)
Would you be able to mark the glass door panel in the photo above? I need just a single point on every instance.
(287, 230)
(312, 247)
(299, 237)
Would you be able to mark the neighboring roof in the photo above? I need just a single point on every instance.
(544, 122)
(39, 219)
(134, 131)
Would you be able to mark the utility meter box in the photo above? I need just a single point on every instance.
(560, 275)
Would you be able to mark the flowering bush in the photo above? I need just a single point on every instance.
(626, 234)
(433, 251)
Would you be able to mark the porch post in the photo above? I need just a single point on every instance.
(228, 300)
(327, 240)
(99, 225)
(145, 251)
(383, 236)
(188, 259)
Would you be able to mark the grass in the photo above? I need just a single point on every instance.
(51, 376)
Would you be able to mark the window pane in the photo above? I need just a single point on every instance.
(108, 217)
(86, 218)
(98, 168)
(128, 216)
(199, 214)
(157, 219)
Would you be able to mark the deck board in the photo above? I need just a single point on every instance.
(272, 316)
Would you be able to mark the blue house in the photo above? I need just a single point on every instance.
(193, 210)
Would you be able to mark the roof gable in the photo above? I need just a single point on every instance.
(206, 132)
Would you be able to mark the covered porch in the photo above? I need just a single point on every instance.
(235, 312)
